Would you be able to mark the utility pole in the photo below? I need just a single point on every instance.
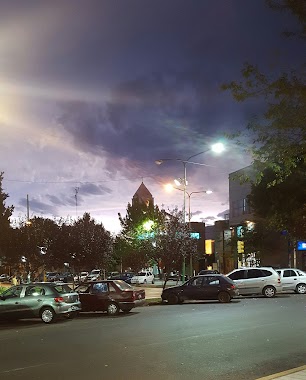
(76, 201)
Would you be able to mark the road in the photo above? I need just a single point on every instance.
(245, 339)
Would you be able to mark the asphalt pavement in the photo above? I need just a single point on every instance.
(246, 339)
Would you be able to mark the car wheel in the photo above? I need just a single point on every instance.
(269, 291)
(172, 299)
(112, 309)
(48, 315)
(153, 281)
(144, 281)
(301, 288)
(224, 297)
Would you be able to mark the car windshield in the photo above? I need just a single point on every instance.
(52, 274)
(122, 285)
(141, 274)
(95, 272)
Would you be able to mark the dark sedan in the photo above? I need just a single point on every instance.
(110, 296)
(126, 276)
(204, 287)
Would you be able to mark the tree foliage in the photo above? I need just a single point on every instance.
(283, 206)
(5, 214)
(278, 136)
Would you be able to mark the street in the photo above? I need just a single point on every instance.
(245, 339)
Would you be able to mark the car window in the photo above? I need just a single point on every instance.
(266, 273)
(34, 291)
(211, 280)
(289, 273)
(238, 275)
(301, 273)
(122, 285)
(254, 273)
(100, 287)
(196, 281)
(13, 292)
(111, 288)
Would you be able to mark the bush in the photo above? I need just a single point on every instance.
(2, 289)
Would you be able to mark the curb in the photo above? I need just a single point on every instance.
(283, 373)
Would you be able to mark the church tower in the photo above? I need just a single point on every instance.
(143, 196)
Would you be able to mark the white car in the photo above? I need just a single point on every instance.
(143, 277)
(94, 275)
(257, 280)
(83, 276)
(293, 279)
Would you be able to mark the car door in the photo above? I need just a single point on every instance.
(32, 301)
(239, 279)
(211, 287)
(10, 305)
(86, 297)
(289, 279)
(193, 289)
(254, 282)
(99, 293)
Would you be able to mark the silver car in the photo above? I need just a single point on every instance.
(259, 280)
(293, 279)
(39, 300)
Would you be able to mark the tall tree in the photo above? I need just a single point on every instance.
(278, 136)
(5, 228)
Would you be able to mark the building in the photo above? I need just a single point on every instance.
(275, 250)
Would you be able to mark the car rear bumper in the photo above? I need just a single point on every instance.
(131, 305)
(68, 308)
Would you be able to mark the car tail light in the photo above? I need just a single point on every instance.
(134, 296)
(59, 299)
(233, 287)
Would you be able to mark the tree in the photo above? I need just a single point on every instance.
(173, 241)
(278, 136)
(134, 245)
(282, 206)
(5, 228)
(92, 244)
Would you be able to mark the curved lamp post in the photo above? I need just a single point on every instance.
(217, 148)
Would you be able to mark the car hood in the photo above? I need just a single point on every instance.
(176, 288)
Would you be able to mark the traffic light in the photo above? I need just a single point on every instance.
(240, 246)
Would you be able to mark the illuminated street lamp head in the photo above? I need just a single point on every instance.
(218, 147)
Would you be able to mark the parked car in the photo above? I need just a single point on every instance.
(83, 276)
(94, 275)
(208, 271)
(52, 276)
(110, 296)
(126, 276)
(259, 280)
(66, 277)
(39, 300)
(293, 279)
(203, 287)
(143, 277)
(4, 278)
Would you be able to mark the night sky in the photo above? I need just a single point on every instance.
(93, 92)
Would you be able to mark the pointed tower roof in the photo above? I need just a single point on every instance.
(143, 194)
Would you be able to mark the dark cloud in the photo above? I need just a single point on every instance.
(93, 189)
(38, 207)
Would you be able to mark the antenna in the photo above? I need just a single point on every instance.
(76, 201)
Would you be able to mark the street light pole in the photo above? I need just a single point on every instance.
(218, 148)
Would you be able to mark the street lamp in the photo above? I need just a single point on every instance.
(217, 148)
(169, 187)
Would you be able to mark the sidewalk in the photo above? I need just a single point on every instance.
(298, 373)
